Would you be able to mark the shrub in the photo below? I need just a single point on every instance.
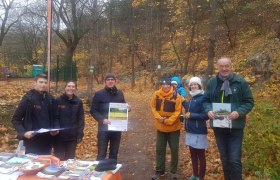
(262, 142)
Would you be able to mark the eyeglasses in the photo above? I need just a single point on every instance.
(110, 79)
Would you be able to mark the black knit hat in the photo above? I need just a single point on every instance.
(109, 75)
(165, 80)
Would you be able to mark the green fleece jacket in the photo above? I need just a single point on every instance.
(241, 99)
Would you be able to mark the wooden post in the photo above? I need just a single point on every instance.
(49, 19)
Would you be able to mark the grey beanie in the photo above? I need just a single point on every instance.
(110, 75)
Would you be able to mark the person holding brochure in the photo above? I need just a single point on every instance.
(196, 130)
(36, 111)
(228, 88)
(166, 107)
(99, 110)
(70, 114)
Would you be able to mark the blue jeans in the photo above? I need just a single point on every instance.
(103, 140)
(229, 142)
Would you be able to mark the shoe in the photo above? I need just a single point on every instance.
(174, 176)
(157, 175)
(193, 178)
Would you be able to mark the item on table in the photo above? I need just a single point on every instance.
(106, 164)
(49, 159)
(18, 160)
(4, 156)
(72, 164)
(53, 170)
(74, 174)
(31, 168)
(7, 168)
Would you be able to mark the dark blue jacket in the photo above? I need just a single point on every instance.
(100, 105)
(196, 124)
(70, 114)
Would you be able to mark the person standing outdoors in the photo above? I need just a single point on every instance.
(70, 114)
(176, 83)
(227, 87)
(166, 109)
(99, 110)
(195, 125)
(36, 111)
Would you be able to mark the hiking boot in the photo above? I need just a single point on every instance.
(174, 176)
(157, 175)
(193, 178)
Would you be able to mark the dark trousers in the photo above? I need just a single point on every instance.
(172, 138)
(198, 162)
(40, 144)
(229, 142)
(65, 149)
(105, 138)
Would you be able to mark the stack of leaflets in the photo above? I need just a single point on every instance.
(31, 168)
(76, 168)
(12, 165)
(4, 156)
(51, 171)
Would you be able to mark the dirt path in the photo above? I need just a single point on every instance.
(137, 151)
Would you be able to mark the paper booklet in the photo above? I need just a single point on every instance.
(118, 115)
(221, 111)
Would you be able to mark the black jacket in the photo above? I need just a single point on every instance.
(70, 115)
(100, 105)
(35, 111)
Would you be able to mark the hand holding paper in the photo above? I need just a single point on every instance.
(233, 115)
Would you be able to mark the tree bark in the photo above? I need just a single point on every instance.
(212, 39)
(132, 46)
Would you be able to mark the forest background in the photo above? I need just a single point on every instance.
(140, 40)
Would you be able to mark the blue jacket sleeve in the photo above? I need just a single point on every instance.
(18, 117)
(206, 101)
(182, 92)
(198, 116)
(81, 121)
(94, 111)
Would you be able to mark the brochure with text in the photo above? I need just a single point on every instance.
(221, 111)
(118, 115)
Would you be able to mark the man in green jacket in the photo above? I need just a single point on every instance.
(227, 87)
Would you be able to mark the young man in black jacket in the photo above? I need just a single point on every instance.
(99, 111)
(35, 111)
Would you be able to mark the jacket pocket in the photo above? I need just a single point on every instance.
(158, 104)
(169, 106)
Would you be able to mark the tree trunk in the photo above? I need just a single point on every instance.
(110, 36)
(278, 28)
(189, 50)
(132, 47)
(68, 74)
(212, 39)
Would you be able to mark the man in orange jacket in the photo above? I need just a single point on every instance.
(166, 108)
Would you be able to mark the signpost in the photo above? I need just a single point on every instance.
(49, 19)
